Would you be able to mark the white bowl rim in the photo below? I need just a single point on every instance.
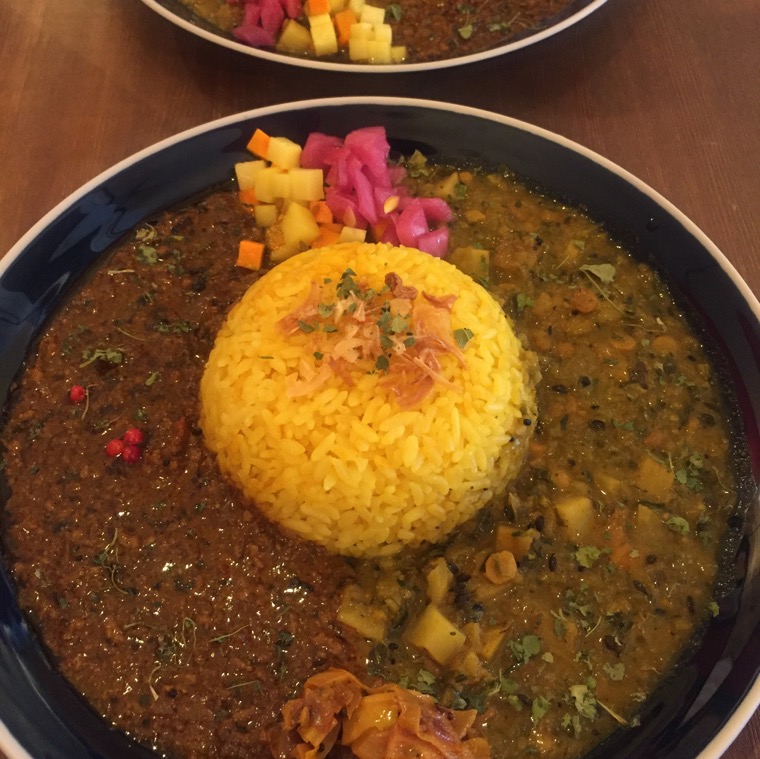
(751, 700)
(371, 68)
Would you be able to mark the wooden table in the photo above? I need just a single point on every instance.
(670, 90)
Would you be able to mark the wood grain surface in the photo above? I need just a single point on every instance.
(667, 89)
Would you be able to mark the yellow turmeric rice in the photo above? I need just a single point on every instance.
(368, 397)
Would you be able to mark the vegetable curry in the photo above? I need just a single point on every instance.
(188, 620)
(427, 31)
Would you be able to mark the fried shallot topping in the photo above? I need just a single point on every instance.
(392, 329)
(337, 715)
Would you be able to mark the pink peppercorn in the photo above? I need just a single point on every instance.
(134, 436)
(115, 447)
(77, 394)
(131, 453)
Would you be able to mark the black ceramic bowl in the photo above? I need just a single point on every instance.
(179, 15)
(704, 705)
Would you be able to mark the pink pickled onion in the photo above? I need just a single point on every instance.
(360, 185)
(263, 19)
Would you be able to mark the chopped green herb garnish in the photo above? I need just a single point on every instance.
(538, 708)
(398, 324)
(615, 672)
(678, 524)
(463, 336)
(587, 556)
(506, 685)
(584, 700)
(523, 301)
(425, 682)
(347, 285)
(174, 328)
(146, 234)
(394, 11)
(525, 649)
(147, 254)
(603, 272)
(109, 355)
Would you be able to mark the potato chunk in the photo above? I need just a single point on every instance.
(436, 634)
(577, 515)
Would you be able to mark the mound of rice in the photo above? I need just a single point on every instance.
(346, 465)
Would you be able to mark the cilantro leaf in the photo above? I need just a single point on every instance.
(463, 336)
(678, 524)
(525, 649)
(603, 272)
(587, 556)
(615, 672)
(538, 708)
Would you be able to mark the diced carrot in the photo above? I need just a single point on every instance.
(321, 212)
(317, 7)
(378, 229)
(623, 556)
(259, 144)
(247, 197)
(328, 234)
(250, 254)
(343, 21)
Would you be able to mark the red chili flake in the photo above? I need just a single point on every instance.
(115, 447)
(131, 454)
(134, 436)
(77, 394)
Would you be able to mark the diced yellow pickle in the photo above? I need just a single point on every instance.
(265, 214)
(356, 6)
(283, 153)
(384, 33)
(378, 52)
(371, 14)
(294, 38)
(246, 172)
(307, 184)
(352, 234)
(298, 226)
(281, 185)
(323, 34)
(264, 185)
(398, 53)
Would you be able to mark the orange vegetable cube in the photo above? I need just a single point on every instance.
(378, 229)
(343, 21)
(328, 235)
(247, 197)
(259, 144)
(316, 7)
(321, 212)
(250, 254)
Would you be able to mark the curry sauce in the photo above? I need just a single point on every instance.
(188, 620)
